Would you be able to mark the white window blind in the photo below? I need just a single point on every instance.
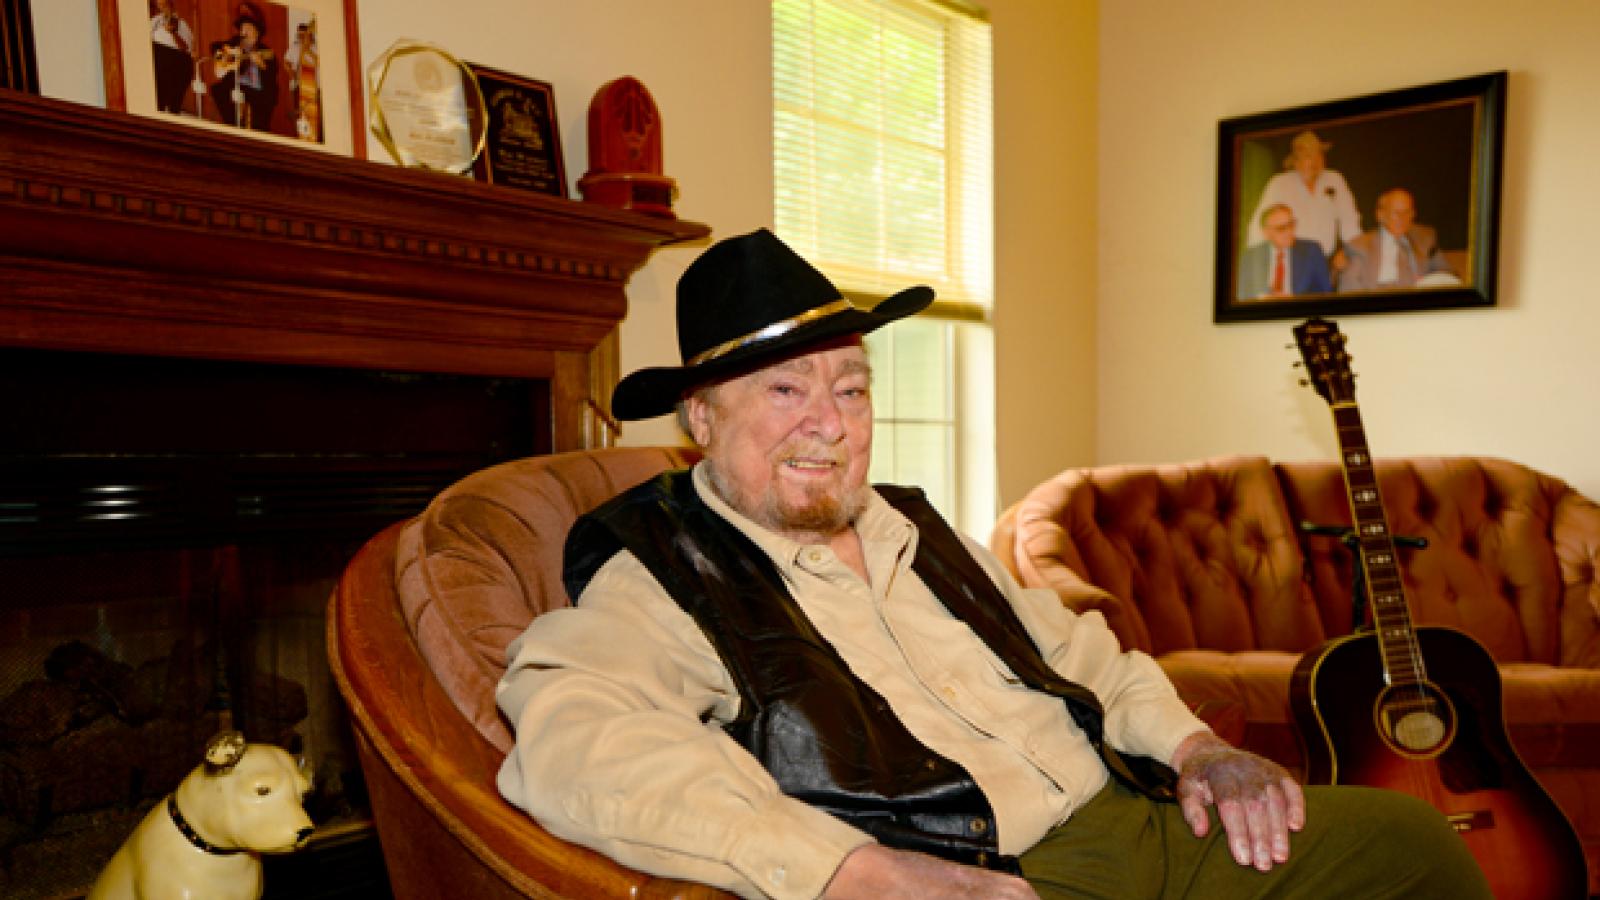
(883, 161)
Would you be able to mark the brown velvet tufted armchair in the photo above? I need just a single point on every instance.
(417, 631)
(1204, 566)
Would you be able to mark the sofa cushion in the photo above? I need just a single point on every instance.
(1550, 712)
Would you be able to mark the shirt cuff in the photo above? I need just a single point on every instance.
(792, 850)
(1184, 724)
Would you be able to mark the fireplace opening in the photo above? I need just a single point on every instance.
(170, 531)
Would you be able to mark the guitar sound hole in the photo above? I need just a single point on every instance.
(1419, 731)
(1416, 718)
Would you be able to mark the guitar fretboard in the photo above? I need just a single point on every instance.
(1391, 616)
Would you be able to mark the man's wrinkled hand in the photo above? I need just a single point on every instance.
(875, 872)
(1256, 800)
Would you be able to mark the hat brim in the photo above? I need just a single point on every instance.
(652, 392)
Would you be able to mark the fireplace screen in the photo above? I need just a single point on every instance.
(170, 533)
(118, 666)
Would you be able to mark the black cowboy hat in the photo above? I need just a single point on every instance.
(246, 11)
(745, 301)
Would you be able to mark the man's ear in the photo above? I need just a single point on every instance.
(697, 411)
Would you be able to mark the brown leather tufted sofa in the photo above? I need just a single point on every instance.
(1204, 565)
(417, 631)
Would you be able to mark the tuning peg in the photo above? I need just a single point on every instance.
(1304, 383)
(1297, 364)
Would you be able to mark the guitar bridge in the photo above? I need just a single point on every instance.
(1471, 821)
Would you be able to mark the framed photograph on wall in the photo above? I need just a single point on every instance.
(280, 70)
(1379, 203)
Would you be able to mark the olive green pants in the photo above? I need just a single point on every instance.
(1357, 842)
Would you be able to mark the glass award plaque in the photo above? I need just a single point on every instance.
(427, 108)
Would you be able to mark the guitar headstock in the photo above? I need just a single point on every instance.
(1327, 363)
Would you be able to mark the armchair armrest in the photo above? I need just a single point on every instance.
(444, 828)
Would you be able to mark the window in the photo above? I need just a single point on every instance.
(883, 179)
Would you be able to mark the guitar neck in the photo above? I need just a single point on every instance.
(1391, 615)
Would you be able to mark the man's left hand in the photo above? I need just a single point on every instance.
(1256, 799)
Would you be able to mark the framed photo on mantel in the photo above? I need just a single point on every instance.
(1378, 203)
(19, 69)
(523, 145)
(287, 71)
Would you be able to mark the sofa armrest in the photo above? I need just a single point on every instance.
(1575, 532)
(1038, 557)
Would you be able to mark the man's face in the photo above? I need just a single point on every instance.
(789, 445)
(1279, 227)
(1396, 212)
(248, 34)
(1308, 161)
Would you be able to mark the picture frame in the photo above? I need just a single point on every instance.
(19, 67)
(300, 87)
(1347, 176)
(523, 146)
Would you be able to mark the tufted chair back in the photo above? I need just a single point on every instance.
(1508, 560)
(485, 557)
(417, 631)
(1197, 554)
(1210, 555)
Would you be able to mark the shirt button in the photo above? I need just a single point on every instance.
(814, 555)
(779, 874)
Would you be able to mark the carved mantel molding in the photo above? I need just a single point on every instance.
(123, 234)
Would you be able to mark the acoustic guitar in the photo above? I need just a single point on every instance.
(1418, 710)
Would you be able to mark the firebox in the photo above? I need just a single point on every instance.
(170, 531)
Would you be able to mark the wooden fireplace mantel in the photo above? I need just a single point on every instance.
(129, 235)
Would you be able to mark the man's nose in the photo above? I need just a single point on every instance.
(826, 419)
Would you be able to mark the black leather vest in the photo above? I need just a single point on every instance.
(825, 736)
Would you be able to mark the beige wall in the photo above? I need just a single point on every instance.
(1045, 80)
(1519, 380)
(1104, 342)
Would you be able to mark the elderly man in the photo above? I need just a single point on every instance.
(1319, 196)
(1396, 254)
(785, 682)
(1285, 265)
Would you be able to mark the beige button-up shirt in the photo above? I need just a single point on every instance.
(619, 705)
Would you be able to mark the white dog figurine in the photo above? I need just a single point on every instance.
(206, 839)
